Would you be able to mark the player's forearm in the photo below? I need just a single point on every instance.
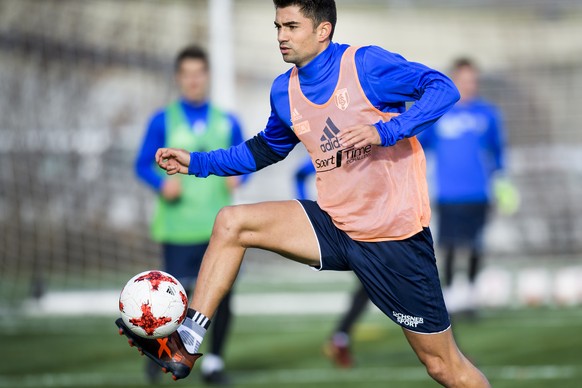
(245, 158)
(235, 160)
(439, 96)
(151, 179)
(153, 139)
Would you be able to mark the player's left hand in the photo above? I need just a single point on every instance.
(359, 136)
(173, 160)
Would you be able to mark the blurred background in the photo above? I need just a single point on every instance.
(79, 80)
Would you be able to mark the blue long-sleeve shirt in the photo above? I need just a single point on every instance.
(155, 137)
(388, 81)
(467, 144)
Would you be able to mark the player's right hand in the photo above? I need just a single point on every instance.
(173, 160)
(171, 189)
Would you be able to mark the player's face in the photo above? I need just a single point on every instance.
(192, 78)
(467, 81)
(299, 41)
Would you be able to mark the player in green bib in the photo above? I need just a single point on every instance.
(199, 200)
(185, 208)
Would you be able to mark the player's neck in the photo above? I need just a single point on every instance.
(318, 66)
(194, 104)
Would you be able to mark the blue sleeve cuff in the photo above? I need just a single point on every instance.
(195, 167)
(387, 136)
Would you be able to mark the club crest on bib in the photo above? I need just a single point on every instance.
(342, 99)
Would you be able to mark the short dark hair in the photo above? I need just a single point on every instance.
(190, 52)
(317, 10)
(464, 62)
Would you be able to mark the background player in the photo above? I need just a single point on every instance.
(467, 144)
(186, 208)
(372, 212)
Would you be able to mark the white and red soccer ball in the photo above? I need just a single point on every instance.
(153, 304)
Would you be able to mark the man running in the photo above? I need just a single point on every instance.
(347, 106)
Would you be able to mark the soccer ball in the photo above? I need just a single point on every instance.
(153, 304)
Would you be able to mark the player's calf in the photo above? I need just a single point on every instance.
(458, 372)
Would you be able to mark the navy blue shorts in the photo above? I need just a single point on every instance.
(183, 262)
(462, 224)
(400, 277)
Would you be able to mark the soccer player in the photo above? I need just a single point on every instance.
(347, 106)
(185, 208)
(467, 144)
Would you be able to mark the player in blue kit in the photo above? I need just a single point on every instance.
(347, 106)
(467, 144)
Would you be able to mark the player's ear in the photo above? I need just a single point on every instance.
(323, 31)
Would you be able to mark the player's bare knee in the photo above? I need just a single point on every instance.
(228, 224)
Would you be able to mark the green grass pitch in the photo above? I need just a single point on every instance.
(515, 348)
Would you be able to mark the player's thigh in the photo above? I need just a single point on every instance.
(282, 227)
